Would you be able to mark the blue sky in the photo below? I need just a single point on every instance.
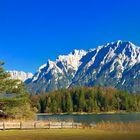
(33, 31)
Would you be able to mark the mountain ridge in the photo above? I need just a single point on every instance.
(21, 75)
(115, 64)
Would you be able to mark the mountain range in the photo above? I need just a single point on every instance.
(23, 76)
(115, 64)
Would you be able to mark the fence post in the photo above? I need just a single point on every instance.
(61, 125)
(76, 125)
(3, 125)
(34, 124)
(72, 125)
(20, 125)
(49, 125)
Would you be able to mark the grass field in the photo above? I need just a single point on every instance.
(67, 134)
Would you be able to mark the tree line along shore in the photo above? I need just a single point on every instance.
(86, 100)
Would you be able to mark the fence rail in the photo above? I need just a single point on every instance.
(38, 124)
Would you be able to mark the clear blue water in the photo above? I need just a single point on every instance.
(93, 118)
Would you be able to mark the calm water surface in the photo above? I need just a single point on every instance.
(91, 118)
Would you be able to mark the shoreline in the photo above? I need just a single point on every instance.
(85, 113)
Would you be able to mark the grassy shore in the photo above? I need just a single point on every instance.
(68, 134)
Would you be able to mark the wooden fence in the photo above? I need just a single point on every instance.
(38, 125)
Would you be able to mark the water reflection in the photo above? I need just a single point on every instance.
(89, 118)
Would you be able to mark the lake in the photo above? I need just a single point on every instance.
(91, 118)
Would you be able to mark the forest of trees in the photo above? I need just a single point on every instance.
(84, 99)
(14, 100)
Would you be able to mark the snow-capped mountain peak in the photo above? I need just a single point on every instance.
(62, 65)
(23, 76)
(111, 64)
(42, 67)
(72, 59)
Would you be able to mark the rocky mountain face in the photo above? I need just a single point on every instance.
(20, 75)
(115, 64)
(56, 75)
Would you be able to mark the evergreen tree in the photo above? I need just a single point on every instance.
(48, 105)
(82, 103)
(43, 103)
(69, 105)
(18, 104)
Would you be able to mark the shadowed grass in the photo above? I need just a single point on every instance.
(118, 126)
(67, 134)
